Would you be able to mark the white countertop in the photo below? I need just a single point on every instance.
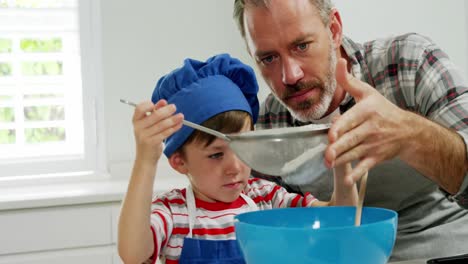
(416, 261)
(84, 192)
(93, 190)
(70, 193)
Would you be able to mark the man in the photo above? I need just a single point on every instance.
(404, 114)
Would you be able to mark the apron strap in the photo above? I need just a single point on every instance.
(191, 209)
(252, 205)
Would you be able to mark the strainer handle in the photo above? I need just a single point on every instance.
(206, 130)
(189, 124)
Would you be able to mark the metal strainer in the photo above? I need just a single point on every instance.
(295, 153)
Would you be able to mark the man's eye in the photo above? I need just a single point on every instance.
(267, 60)
(216, 155)
(303, 46)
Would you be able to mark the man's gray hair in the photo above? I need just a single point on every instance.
(324, 8)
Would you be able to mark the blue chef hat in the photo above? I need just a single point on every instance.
(201, 90)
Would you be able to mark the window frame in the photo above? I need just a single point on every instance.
(92, 162)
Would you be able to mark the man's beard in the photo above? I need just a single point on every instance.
(313, 110)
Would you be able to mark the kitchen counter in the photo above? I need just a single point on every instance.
(416, 261)
(100, 190)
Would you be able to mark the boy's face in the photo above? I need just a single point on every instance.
(215, 171)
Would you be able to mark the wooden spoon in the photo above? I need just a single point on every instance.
(362, 193)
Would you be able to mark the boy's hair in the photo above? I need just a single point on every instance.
(226, 122)
(324, 8)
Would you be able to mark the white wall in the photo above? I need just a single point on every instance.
(142, 40)
(443, 21)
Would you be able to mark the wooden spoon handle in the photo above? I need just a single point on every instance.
(362, 193)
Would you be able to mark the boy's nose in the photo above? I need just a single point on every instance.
(233, 164)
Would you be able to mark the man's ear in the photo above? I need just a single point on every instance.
(176, 160)
(336, 27)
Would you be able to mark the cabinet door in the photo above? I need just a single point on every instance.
(55, 228)
(99, 255)
(115, 212)
(115, 220)
(116, 259)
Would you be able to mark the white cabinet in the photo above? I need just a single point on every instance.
(69, 223)
(62, 234)
(99, 255)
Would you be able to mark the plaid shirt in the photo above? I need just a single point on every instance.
(408, 70)
(416, 75)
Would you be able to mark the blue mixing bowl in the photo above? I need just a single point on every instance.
(319, 235)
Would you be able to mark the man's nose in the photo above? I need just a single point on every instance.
(292, 71)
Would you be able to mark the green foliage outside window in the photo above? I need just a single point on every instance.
(7, 136)
(42, 96)
(41, 45)
(5, 69)
(5, 98)
(45, 134)
(31, 3)
(44, 113)
(5, 45)
(32, 67)
(41, 68)
(7, 115)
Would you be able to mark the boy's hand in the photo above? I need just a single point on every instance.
(152, 124)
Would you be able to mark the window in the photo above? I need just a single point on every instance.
(47, 110)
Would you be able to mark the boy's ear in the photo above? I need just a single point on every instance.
(177, 163)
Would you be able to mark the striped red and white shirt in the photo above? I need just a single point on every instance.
(215, 221)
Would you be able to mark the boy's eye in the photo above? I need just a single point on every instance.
(216, 155)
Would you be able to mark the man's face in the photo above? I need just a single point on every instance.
(295, 53)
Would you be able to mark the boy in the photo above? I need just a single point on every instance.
(195, 224)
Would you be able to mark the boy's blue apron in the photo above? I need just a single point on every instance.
(197, 251)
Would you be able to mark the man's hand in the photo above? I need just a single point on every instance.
(372, 131)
